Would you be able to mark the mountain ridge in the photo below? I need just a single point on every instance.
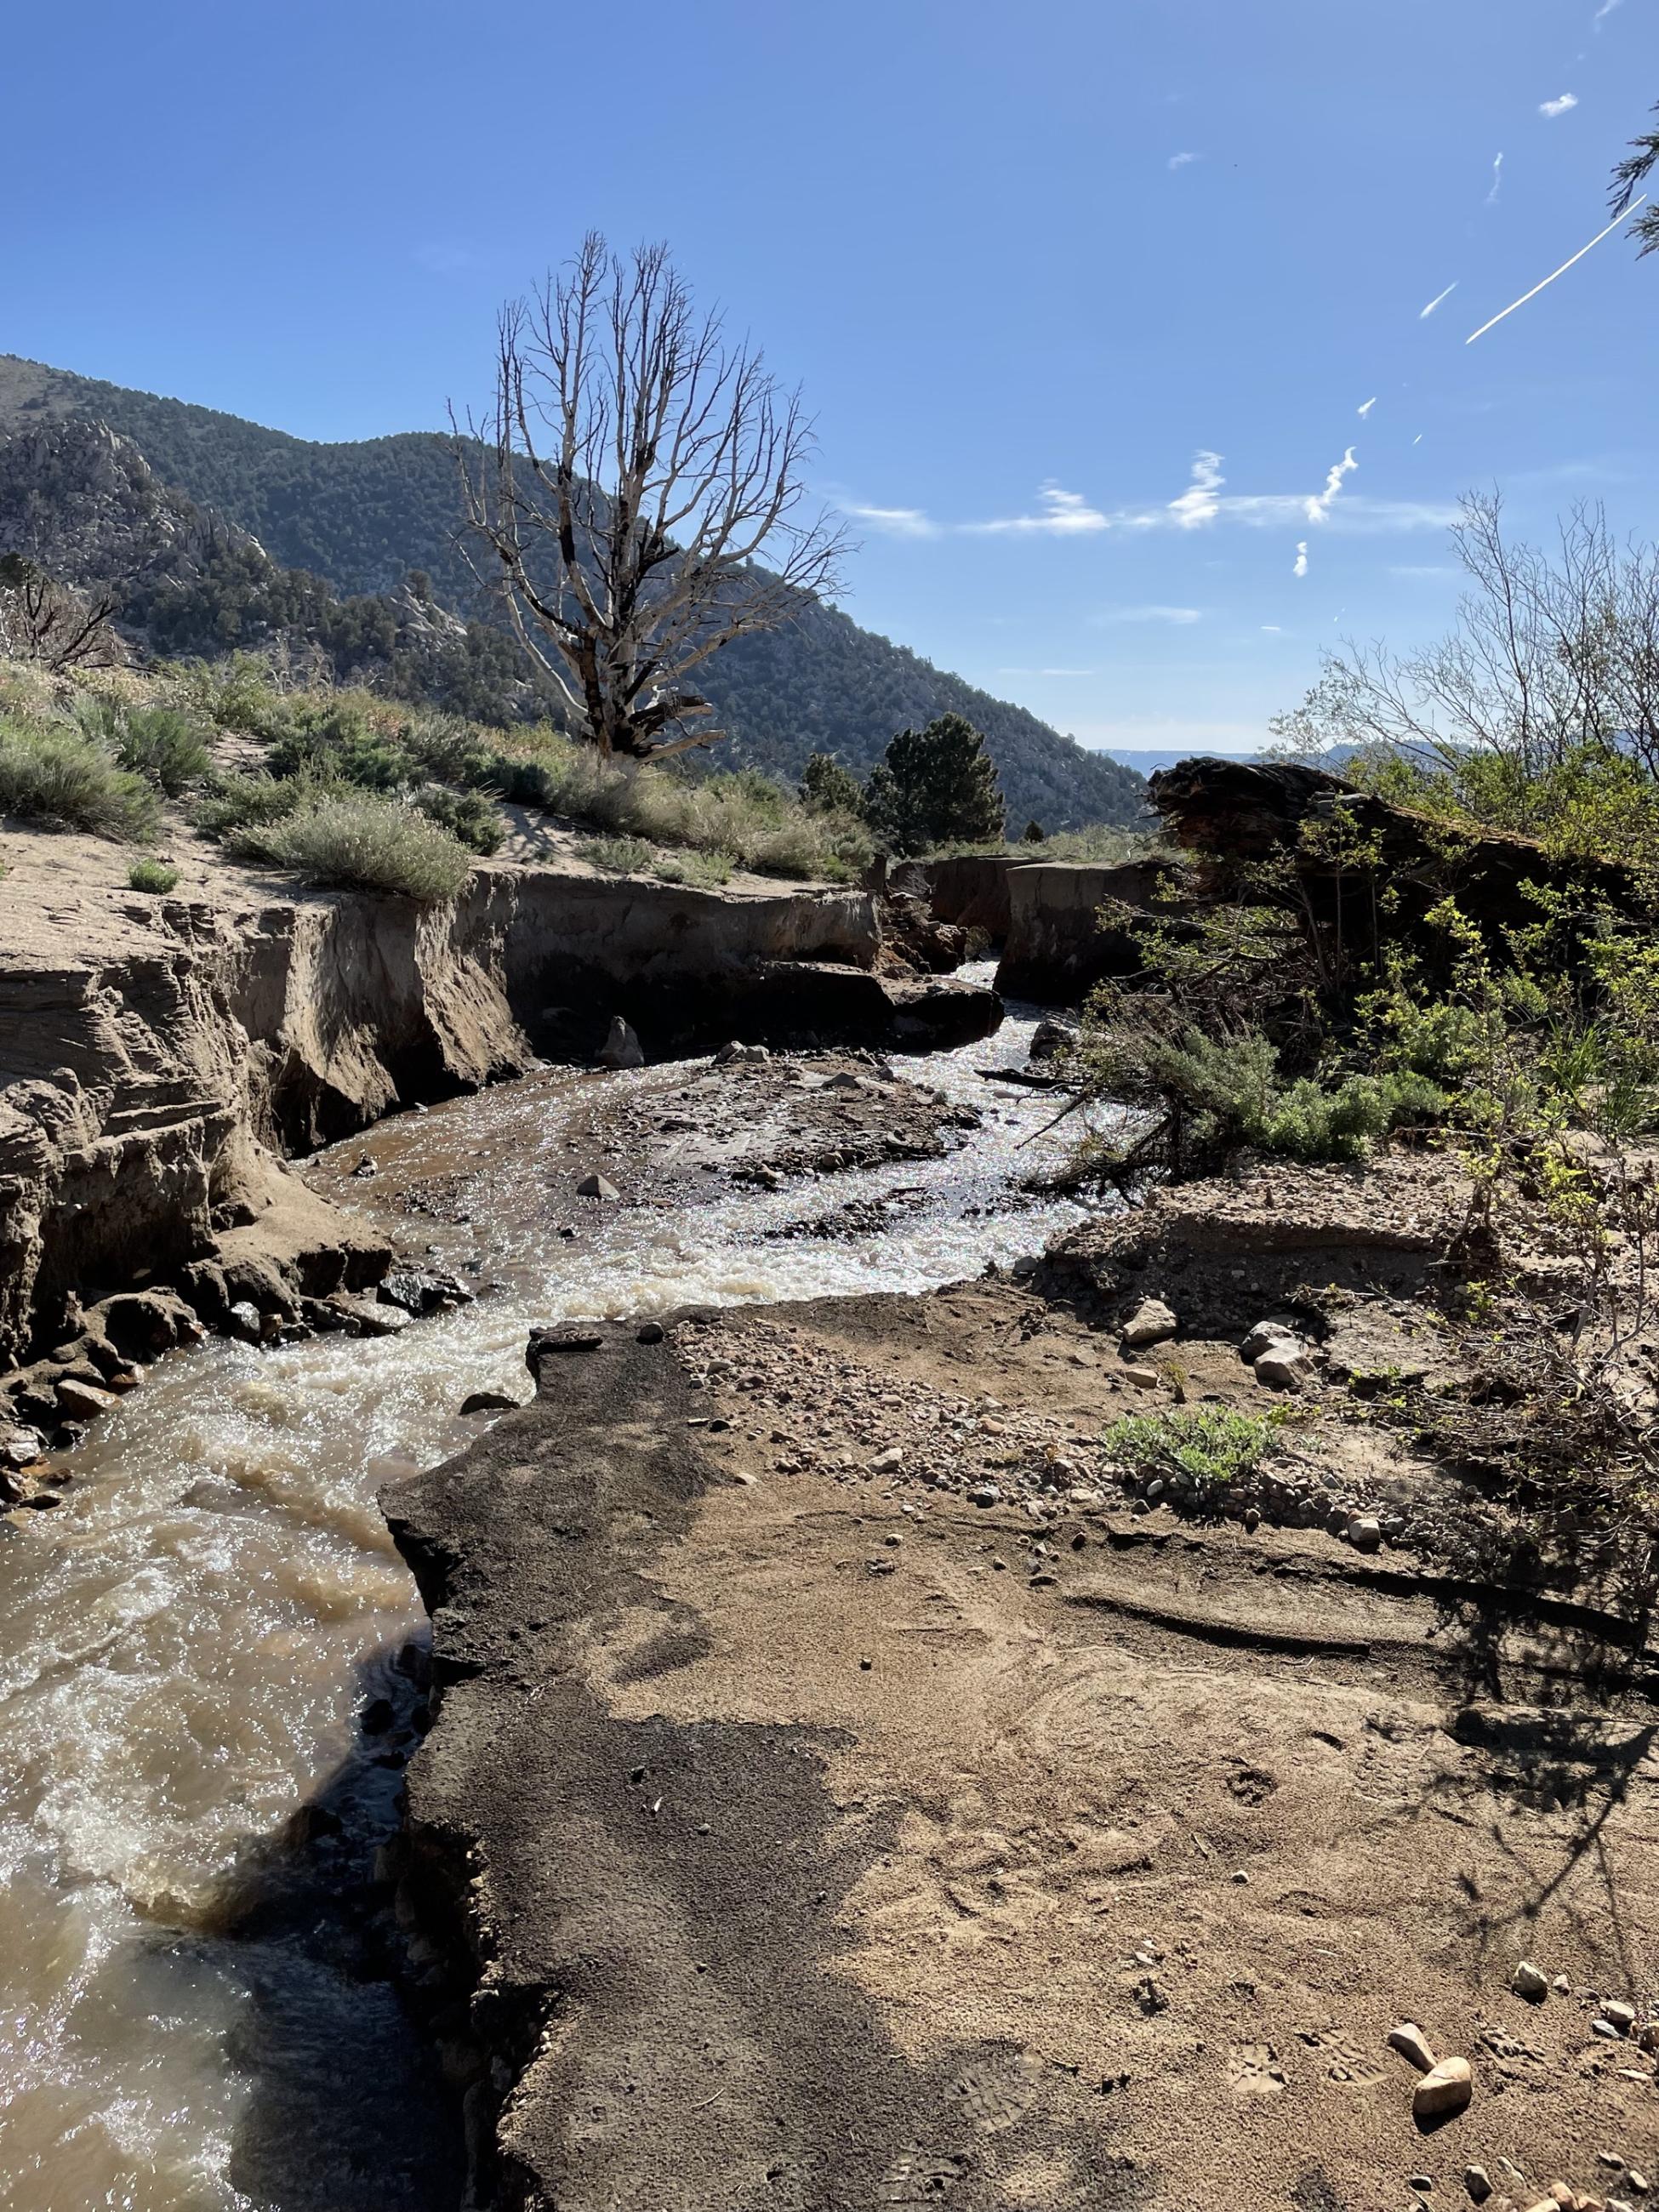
(363, 515)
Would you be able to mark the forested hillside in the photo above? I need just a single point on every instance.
(361, 516)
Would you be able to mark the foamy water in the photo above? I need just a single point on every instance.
(186, 1644)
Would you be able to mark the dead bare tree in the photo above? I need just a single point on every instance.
(45, 622)
(1555, 651)
(637, 467)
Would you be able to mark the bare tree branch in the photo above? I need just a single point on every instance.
(635, 468)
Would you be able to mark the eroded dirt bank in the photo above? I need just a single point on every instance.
(847, 1790)
(158, 1058)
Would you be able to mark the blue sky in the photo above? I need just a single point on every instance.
(1043, 271)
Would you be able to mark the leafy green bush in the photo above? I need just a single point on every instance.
(163, 747)
(467, 815)
(248, 802)
(338, 743)
(58, 777)
(618, 856)
(1208, 1445)
(708, 870)
(151, 875)
(359, 840)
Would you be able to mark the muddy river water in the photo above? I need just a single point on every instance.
(196, 2013)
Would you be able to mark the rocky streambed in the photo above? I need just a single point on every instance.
(213, 1664)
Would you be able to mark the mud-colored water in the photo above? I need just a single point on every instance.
(195, 2007)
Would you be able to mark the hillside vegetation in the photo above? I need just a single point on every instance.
(361, 517)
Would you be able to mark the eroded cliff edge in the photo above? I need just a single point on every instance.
(158, 1058)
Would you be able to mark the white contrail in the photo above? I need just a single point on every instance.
(1424, 314)
(1554, 273)
(1498, 173)
(1364, 411)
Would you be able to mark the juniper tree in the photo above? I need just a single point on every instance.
(936, 786)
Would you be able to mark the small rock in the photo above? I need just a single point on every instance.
(622, 1049)
(1445, 2088)
(984, 1494)
(649, 1332)
(1527, 1982)
(1278, 1328)
(1409, 2040)
(1421, 2182)
(1144, 1378)
(82, 1402)
(1365, 1532)
(1477, 2182)
(1252, 1519)
(1283, 1367)
(246, 1321)
(1610, 2158)
(892, 1457)
(1622, 2016)
(1149, 1323)
(488, 1402)
(1636, 2181)
(596, 1186)
(21, 1447)
(1050, 1038)
(1561, 1985)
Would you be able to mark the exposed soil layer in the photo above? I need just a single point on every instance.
(800, 1833)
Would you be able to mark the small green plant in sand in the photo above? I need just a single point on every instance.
(359, 840)
(151, 875)
(1208, 1445)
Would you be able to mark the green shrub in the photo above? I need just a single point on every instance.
(249, 802)
(467, 815)
(618, 856)
(163, 747)
(709, 870)
(359, 840)
(1208, 1445)
(151, 875)
(65, 781)
(338, 744)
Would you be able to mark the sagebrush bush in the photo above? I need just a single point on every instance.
(151, 875)
(247, 802)
(163, 746)
(55, 776)
(618, 856)
(358, 841)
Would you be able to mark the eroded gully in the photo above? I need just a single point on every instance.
(211, 1660)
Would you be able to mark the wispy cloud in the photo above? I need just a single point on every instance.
(1063, 514)
(1178, 616)
(1203, 504)
(1183, 160)
(1321, 502)
(1498, 170)
(1554, 107)
(1199, 503)
(1272, 630)
(1048, 671)
(1603, 12)
(1301, 568)
(1425, 313)
(1364, 411)
(441, 257)
(896, 521)
(1419, 570)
